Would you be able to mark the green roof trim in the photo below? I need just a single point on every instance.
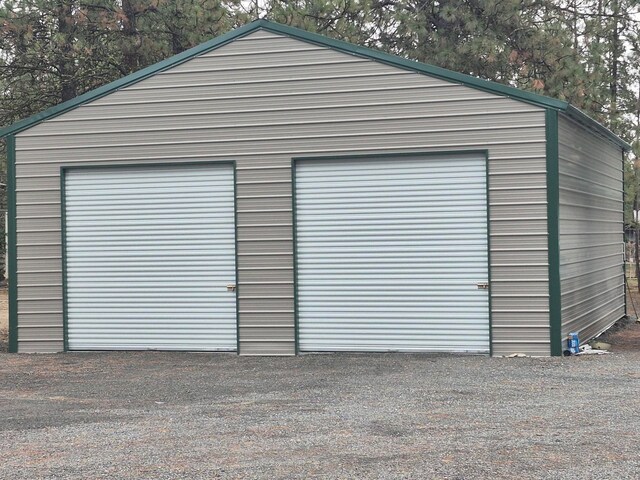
(478, 83)
(129, 79)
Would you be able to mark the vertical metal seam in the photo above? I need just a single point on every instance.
(295, 257)
(553, 234)
(235, 230)
(489, 293)
(12, 246)
(63, 233)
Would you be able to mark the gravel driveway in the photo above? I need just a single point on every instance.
(178, 415)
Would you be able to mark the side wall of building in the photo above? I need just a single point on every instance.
(260, 101)
(590, 231)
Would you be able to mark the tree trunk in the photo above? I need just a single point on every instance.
(615, 57)
(130, 58)
(66, 66)
(636, 252)
(576, 43)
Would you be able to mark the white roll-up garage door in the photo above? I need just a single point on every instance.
(392, 254)
(149, 254)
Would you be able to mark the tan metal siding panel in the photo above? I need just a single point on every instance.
(33, 341)
(513, 273)
(523, 287)
(264, 260)
(511, 196)
(591, 226)
(287, 114)
(268, 320)
(31, 210)
(39, 264)
(286, 129)
(35, 318)
(253, 88)
(258, 246)
(40, 291)
(264, 275)
(271, 217)
(262, 101)
(264, 232)
(30, 196)
(270, 98)
(257, 203)
(38, 250)
(271, 347)
(296, 144)
(270, 334)
(267, 288)
(528, 210)
(528, 241)
(40, 279)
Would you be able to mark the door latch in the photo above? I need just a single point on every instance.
(231, 287)
(483, 286)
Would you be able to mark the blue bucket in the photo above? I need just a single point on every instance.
(573, 343)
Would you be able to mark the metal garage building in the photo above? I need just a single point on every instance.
(359, 201)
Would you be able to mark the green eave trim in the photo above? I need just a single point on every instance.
(588, 122)
(442, 73)
(553, 230)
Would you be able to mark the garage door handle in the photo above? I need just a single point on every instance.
(231, 287)
(483, 286)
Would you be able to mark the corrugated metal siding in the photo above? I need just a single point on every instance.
(591, 231)
(383, 263)
(149, 255)
(267, 98)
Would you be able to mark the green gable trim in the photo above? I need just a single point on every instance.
(444, 74)
(419, 67)
(129, 79)
(399, 62)
(586, 121)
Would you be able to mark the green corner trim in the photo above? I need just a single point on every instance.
(396, 61)
(553, 223)
(11, 247)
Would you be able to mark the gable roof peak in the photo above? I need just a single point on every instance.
(340, 45)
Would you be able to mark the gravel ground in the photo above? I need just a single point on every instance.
(178, 415)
